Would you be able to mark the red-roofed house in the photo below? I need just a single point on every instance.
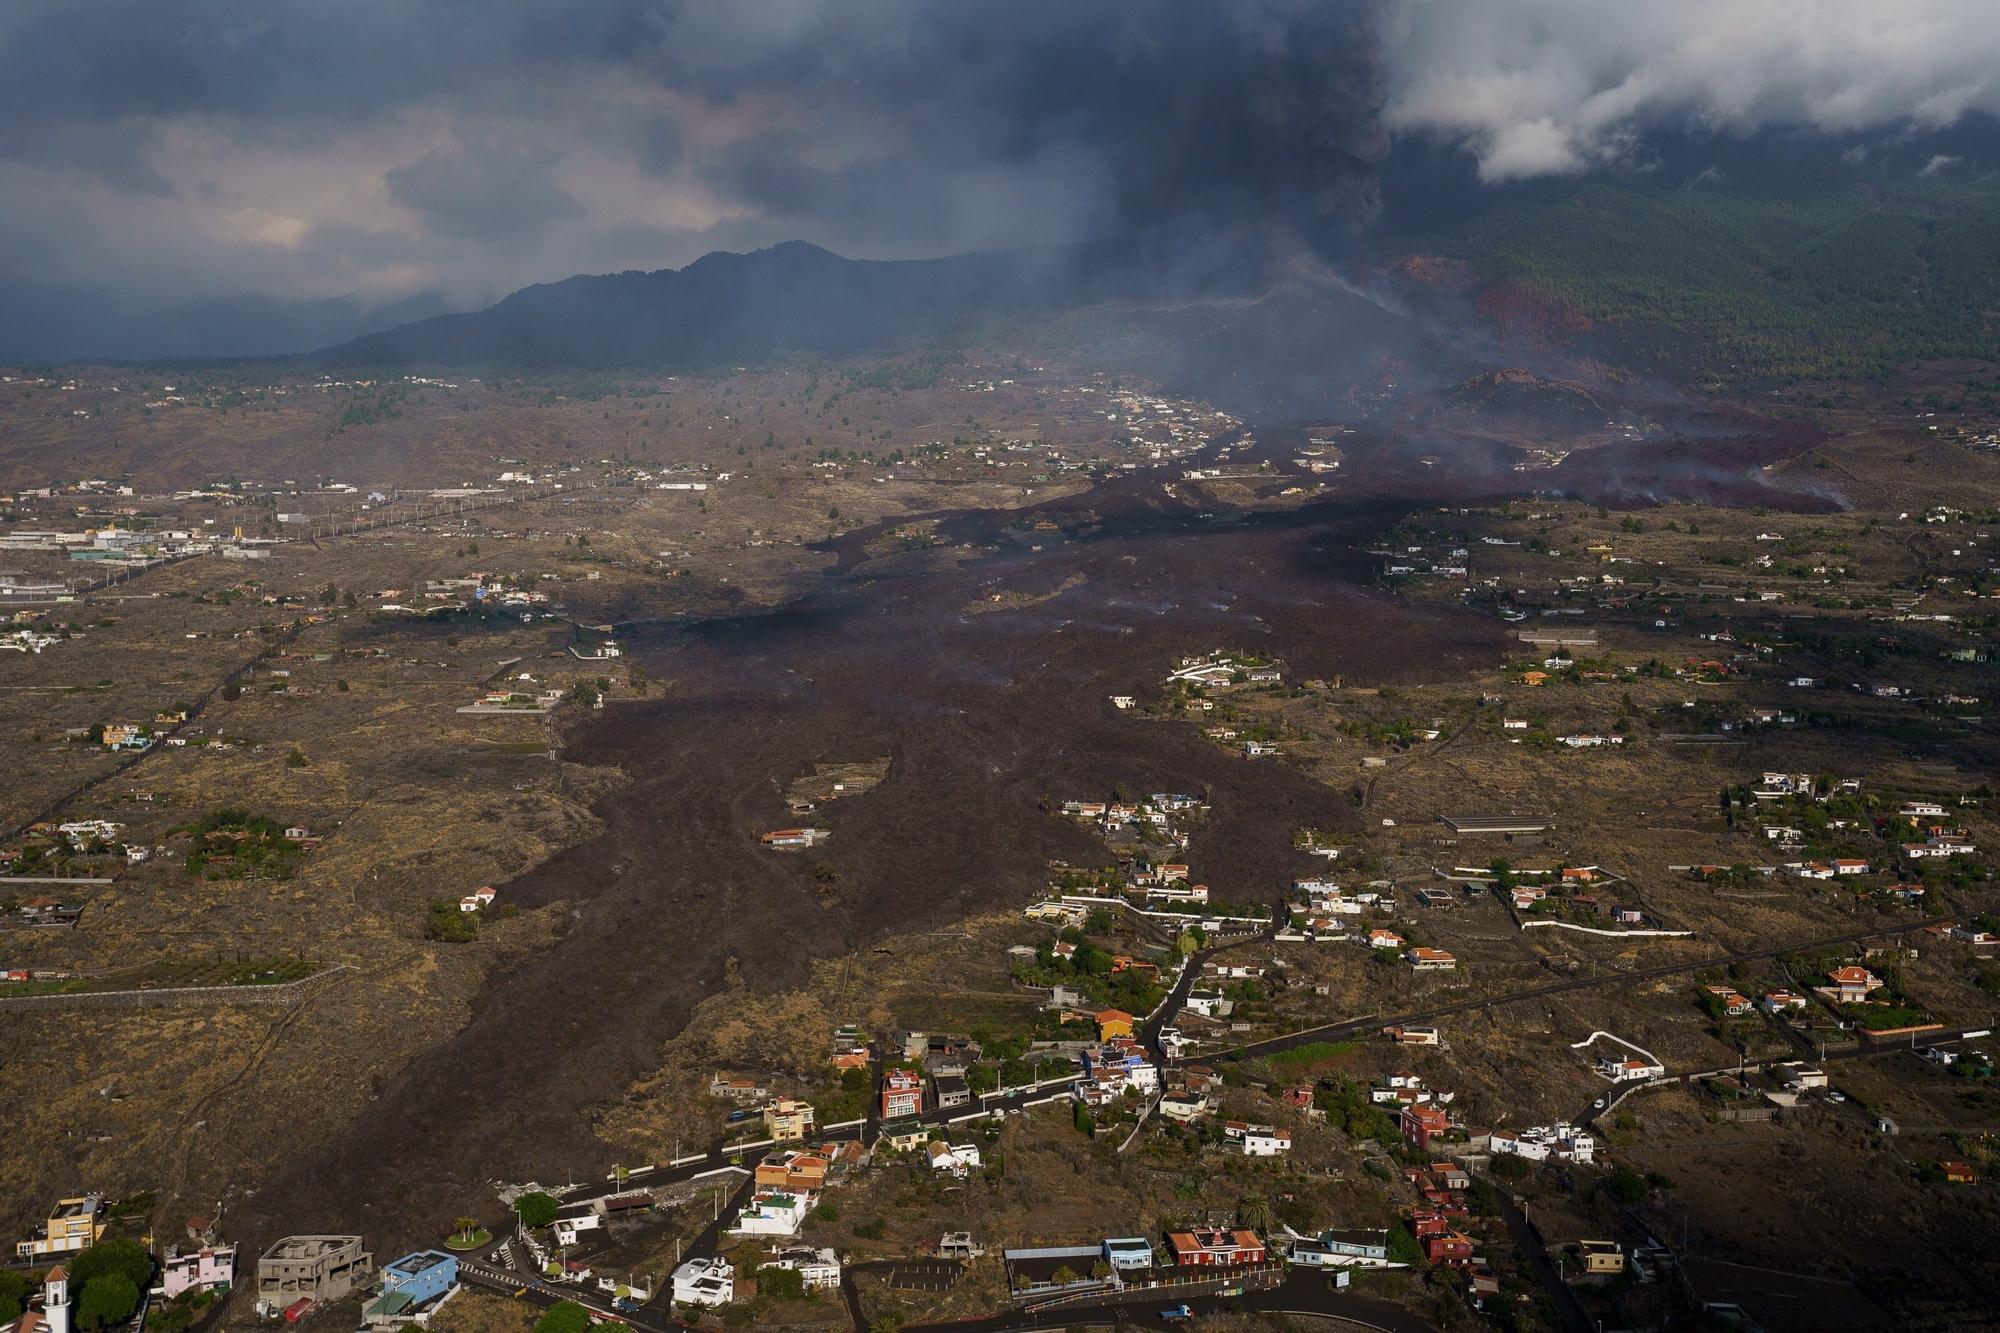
(1851, 984)
(1214, 1247)
(1422, 1123)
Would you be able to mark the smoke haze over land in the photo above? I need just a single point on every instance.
(258, 153)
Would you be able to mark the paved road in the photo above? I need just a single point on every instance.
(1528, 1241)
(720, 1155)
(1349, 1027)
(1169, 1011)
(542, 1295)
(1921, 1041)
(1301, 1293)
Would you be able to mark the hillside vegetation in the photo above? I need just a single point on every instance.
(1846, 285)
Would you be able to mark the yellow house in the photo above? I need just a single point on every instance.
(1113, 1023)
(73, 1224)
(1601, 1256)
(787, 1118)
(903, 1140)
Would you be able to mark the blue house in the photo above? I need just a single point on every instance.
(420, 1278)
(1124, 1253)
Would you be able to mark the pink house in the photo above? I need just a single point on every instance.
(198, 1270)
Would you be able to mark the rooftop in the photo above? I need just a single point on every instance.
(1495, 823)
(421, 1261)
(309, 1247)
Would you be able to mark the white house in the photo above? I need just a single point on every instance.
(1261, 1142)
(705, 1282)
(1256, 1140)
(1539, 1143)
(575, 1220)
(818, 1269)
(953, 1159)
(1179, 891)
(1209, 1004)
(1627, 1068)
(773, 1213)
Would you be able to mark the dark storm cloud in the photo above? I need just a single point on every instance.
(288, 59)
(315, 149)
(188, 148)
(120, 161)
(489, 192)
(1141, 112)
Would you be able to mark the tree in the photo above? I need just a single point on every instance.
(1403, 1247)
(1254, 1211)
(564, 1317)
(14, 1289)
(536, 1209)
(1625, 1184)
(116, 1255)
(108, 1299)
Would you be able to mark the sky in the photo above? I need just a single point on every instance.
(168, 151)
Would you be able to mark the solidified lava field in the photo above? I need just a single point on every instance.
(985, 716)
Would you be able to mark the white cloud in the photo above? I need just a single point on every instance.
(1538, 87)
(1939, 164)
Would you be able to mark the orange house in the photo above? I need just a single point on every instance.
(1113, 1023)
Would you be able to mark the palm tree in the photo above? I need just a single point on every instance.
(1254, 1211)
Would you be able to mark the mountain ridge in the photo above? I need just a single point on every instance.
(793, 299)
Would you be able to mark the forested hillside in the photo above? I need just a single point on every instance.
(1849, 285)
